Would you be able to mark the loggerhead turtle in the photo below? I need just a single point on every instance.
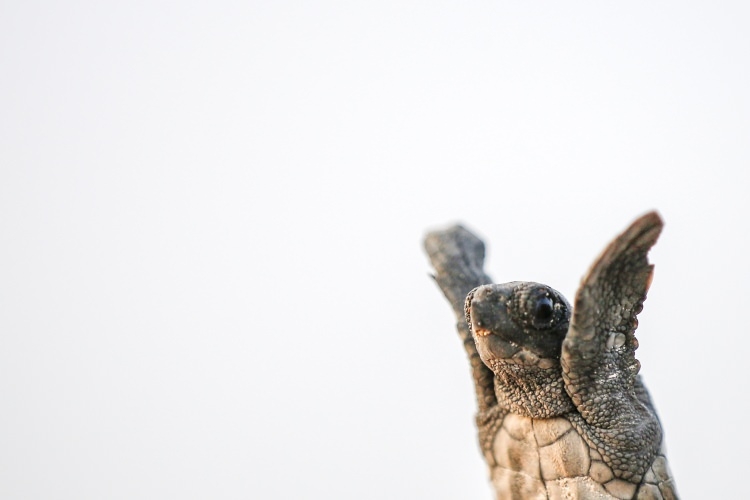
(562, 411)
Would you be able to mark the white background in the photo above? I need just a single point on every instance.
(211, 275)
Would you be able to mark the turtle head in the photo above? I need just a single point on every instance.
(518, 329)
(518, 322)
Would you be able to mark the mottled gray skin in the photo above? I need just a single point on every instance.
(562, 412)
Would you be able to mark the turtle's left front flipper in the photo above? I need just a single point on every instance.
(598, 353)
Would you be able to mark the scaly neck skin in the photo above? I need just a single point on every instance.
(531, 391)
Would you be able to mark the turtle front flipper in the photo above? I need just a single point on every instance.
(458, 258)
(598, 353)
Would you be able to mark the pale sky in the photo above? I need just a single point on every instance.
(211, 276)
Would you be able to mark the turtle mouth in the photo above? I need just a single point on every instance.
(481, 332)
(498, 350)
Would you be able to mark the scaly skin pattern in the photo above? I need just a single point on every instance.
(562, 412)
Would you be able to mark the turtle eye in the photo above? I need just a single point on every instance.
(538, 307)
(543, 309)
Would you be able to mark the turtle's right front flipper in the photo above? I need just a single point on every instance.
(598, 353)
(458, 258)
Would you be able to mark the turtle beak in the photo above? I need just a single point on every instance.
(486, 309)
(487, 314)
(483, 309)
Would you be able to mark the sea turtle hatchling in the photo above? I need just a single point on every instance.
(562, 411)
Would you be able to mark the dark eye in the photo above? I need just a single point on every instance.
(543, 309)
